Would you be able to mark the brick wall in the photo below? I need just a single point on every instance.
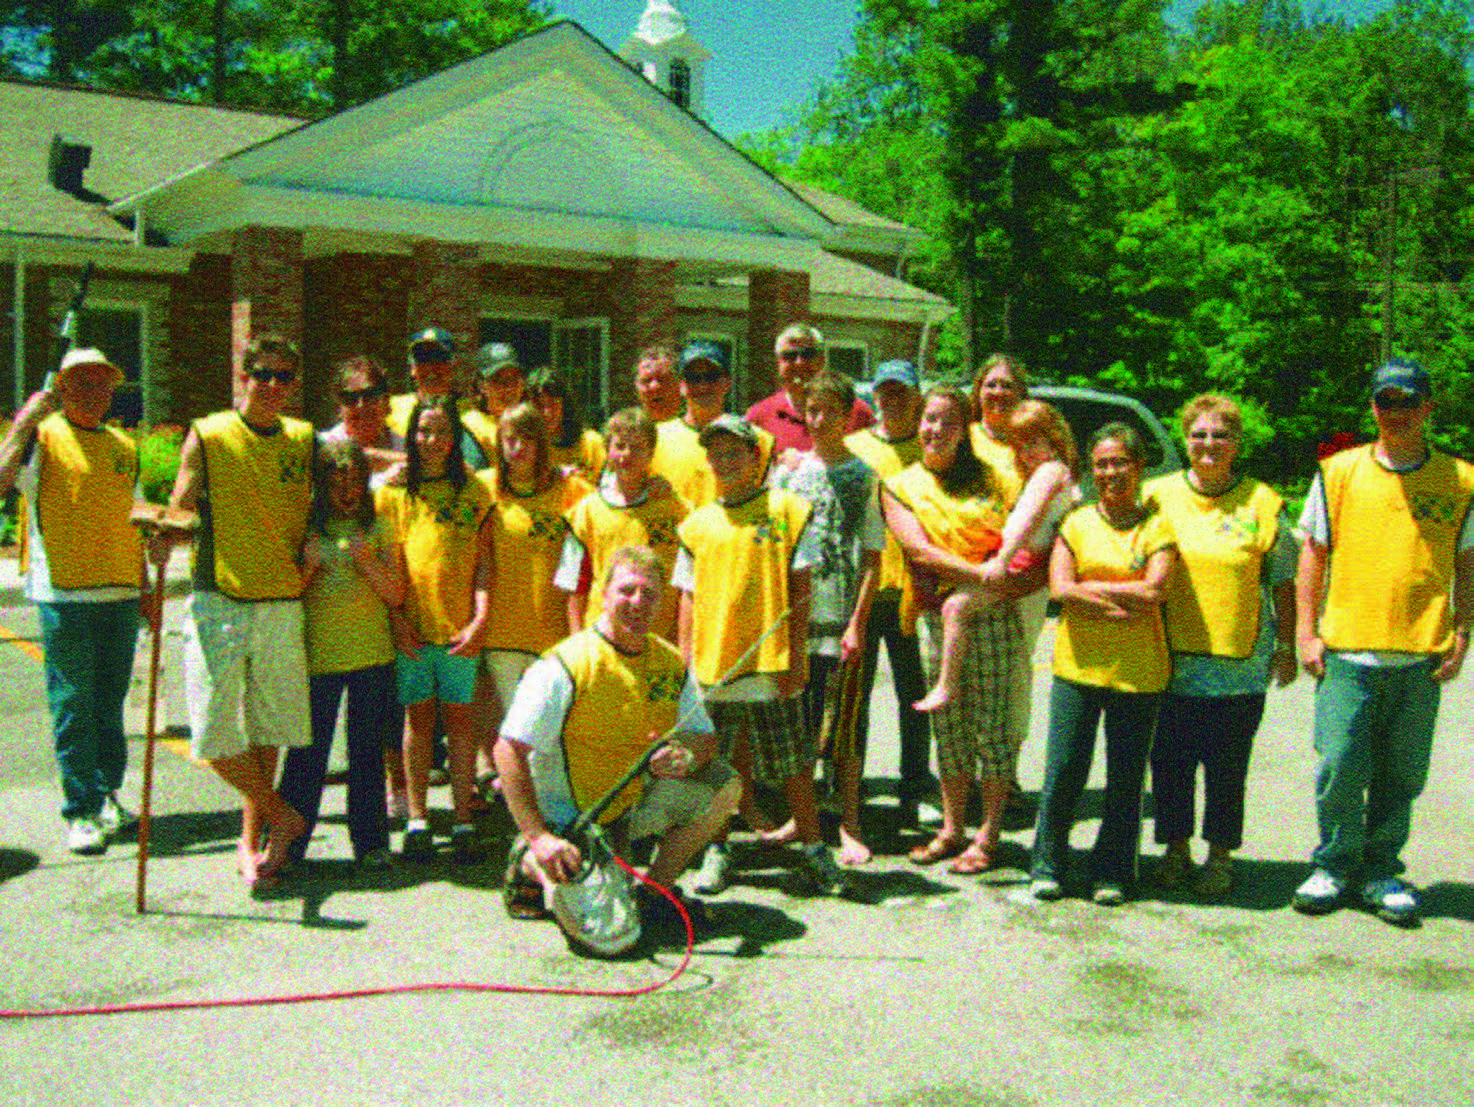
(266, 290)
(193, 376)
(445, 291)
(775, 299)
(642, 312)
(355, 304)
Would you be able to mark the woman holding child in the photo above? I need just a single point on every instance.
(948, 515)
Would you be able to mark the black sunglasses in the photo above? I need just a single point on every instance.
(274, 376)
(1393, 400)
(806, 353)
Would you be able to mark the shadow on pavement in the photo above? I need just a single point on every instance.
(16, 862)
(755, 926)
(189, 832)
(1445, 900)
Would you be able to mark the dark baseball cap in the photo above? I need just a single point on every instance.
(432, 336)
(1403, 374)
(695, 352)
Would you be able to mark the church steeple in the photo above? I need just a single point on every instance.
(664, 50)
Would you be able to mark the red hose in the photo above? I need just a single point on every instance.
(384, 990)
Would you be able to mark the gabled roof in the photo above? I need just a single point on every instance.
(861, 229)
(136, 141)
(550, 140)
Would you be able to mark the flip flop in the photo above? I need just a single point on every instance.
(971, 861)
(938, 849)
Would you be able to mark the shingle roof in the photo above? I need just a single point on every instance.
(841, 210)
(832, 275)
(136, 141)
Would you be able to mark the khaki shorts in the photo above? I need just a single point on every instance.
(664, 804)
(245, 671)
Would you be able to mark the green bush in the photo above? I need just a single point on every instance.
(158, 460)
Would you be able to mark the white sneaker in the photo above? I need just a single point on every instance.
(1045, 888)
(713, 876)
(1319, 894)
(86, 836)
(114, 815)
(1393, 900)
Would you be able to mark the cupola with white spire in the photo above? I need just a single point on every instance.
(665, 52)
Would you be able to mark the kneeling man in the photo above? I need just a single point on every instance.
(586, 711)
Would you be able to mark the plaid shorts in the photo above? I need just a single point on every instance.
(975, 728)
(782, 746)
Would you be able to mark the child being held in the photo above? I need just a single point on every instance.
(1048, 463)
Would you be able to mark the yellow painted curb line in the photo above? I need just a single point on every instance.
(29, 648)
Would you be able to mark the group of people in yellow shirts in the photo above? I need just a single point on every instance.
(427, 551)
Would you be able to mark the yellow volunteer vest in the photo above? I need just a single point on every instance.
(529, 614)
(1127, 655)
(400, 409)
(741, 554)
(345, 624)
(998, 456)
(601, 528)
(887, 459)
(681, 459)
(969, 526)
(1212, 604)
(437, 531)
(259, 490)
(1394, 540)
(84, 494)
(586, 455)
(618, 701)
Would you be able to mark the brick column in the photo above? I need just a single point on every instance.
(642, 295)
(266, 289)
(445, 291)
(358, 305)
(198, 340)
(775, 298)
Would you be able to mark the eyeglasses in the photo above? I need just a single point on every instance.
(708, 376)
(1212, 436)
(1397, 400)
(352, 397)
(274, 376)
(799, 353)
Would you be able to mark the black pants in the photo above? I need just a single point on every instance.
(1216, 732)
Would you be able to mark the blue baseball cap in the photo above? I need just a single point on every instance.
(702, 350)
(1405, 375)
(433, 336)
(899, 370)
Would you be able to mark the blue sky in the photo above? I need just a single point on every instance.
(769, 53)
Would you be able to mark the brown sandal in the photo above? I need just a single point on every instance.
(938, 849)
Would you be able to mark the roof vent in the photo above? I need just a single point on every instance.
(66, 165)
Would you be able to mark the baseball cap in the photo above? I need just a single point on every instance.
(1403, 374)
(87, 355)
(900, 370)
(702, 350)
(492, 358)
(734, 425)
(432, 336)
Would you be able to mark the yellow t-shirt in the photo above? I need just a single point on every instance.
(83, 496)
(1213, 600)
(253, 514)
(681, 459)
(1128, 655)
(740, 559)
(1393, 550)
(618, 701)
(528, 613)
(437, 530)
(999, 457)
(586, 454)
(346, 626)
(887, 458)
(601, 528)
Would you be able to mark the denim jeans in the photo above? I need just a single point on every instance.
(904, 654)
(89, 664)
(1374, 734)
(1216, 732)
(1075, 712)
(371, 704)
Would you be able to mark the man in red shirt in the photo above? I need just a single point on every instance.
(800, 353)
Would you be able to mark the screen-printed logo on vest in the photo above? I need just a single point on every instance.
(770, 528)
(547, 526)
(661, 532)
(665, 687)
(1428, 507)
(1242, 525)
(293, 468)
(458, 514)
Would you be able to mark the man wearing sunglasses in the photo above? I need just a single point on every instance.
(1385, 595)
(679, 456)
(800, 354)
(431, 367)
(363, 411)
(248, 472)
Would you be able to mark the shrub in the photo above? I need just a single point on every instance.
(158, 460)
